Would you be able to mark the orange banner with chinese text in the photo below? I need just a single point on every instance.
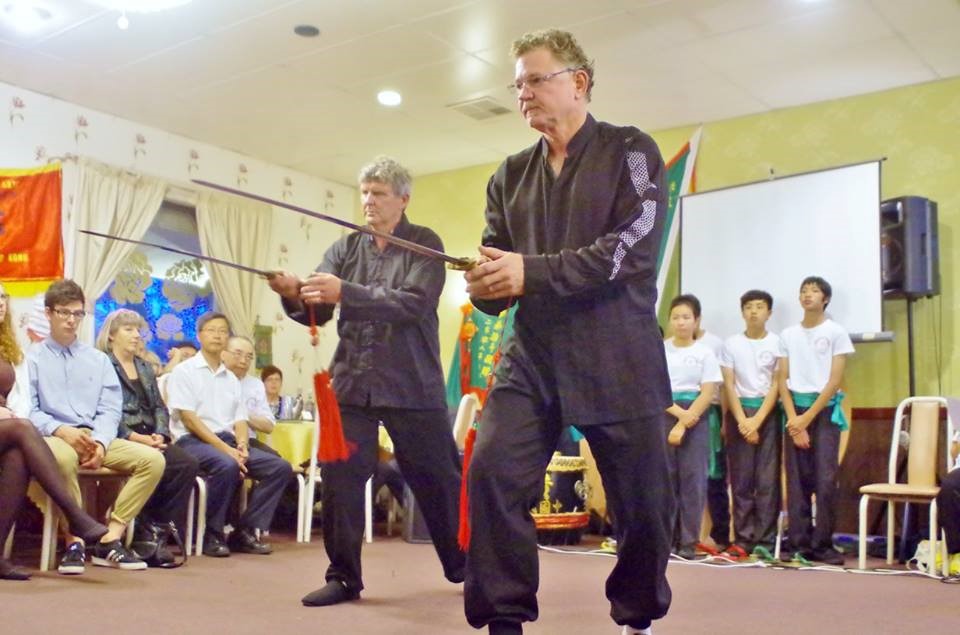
(31, 248)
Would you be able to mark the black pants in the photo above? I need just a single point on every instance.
(948, 509)
(813, 471)
(755, 481)
(718, 494)
(427, 455)
(514, 443)
(688, 463)
(169, 499)
(222, 473)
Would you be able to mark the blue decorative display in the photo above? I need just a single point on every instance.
(171, 309)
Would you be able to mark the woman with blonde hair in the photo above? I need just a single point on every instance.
(144, 419)
(23, 452)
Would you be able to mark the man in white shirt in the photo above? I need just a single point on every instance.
(238, 357)
(814, 357)
(210, 420)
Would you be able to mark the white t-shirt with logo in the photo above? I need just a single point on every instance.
(691, 366)
(810, 353)
(754, 362)
(715, 344)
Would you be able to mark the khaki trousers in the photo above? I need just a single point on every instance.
(143, 465)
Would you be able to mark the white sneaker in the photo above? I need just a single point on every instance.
(629, 630)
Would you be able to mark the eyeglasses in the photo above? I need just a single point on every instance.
(65, 314)
(216, 331)
(242, 355)
(534, 82)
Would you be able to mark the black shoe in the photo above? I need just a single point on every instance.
(505, 628)
(213, 545)
(10, 572)
(334, 592)
(689, 553)
(73, 559)
(245, 541)
(828, 555)
(114, 554)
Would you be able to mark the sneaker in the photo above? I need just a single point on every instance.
(629, 630)
(828, 555)
(609, 545)
(735, 552)
(689, 553)
(73, 559)
(114, 554)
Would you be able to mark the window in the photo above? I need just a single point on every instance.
(169, 290)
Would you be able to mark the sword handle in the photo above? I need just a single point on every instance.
(462, 264)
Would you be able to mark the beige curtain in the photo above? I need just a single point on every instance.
(237, 230)
(111, 201)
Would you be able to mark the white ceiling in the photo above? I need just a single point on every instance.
(233, 74)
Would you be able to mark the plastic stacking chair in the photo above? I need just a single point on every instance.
(196, 506)
(308, 493)
(48, 548)
(465, 414)
(922, 460)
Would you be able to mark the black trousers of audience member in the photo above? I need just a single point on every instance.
(427, 455)
(222, 474)
(169, 499)
(688, 464)
(755, 481)
(813, 471)
(948, 509)
(516, 437)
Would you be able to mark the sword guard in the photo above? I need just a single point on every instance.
(462, 264)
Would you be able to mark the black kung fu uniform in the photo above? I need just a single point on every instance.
(386, 369)
(586, 351)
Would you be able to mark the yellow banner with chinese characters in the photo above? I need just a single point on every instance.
(31, 248)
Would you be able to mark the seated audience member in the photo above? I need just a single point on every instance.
(272, 378)
(175, 354)
(76, 403)
(948, 507)
(210, 421)
(179, 352)
(238, 357)
(144, 420)
(22, 451)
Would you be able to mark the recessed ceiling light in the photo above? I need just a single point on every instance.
(306, 30)
(26, 16)
(389, 98)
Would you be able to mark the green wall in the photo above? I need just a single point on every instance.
(916, 128)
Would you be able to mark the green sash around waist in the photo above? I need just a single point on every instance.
(751, 402)
(715, 465)
(806, 399)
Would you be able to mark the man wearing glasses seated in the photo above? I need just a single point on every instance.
(210, 420)
(238, 357)
(75, 401)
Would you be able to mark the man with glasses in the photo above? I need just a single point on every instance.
(238, 357)
(573, 233)
(76, 401)
(386, 369)
(210, 420)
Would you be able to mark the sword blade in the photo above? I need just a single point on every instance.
(453, 262)
(219, 261)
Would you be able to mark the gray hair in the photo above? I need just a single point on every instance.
(387, 170)
(112, 324)
(235, 338)
(562, 45)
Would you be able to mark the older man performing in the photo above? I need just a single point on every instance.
(386, 369)
(573, 230)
